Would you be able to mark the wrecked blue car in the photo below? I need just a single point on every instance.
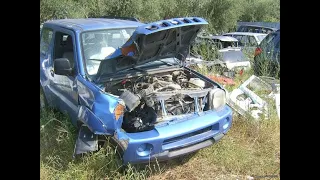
(129, 81)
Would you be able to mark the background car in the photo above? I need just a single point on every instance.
(267, 56)
(229, 51)
(247, 38)
(256, 29)
(247, 41)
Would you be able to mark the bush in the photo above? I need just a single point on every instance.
(222, 15)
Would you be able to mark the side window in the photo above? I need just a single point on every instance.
(63, 47)
(243, 29)
(252, 41)
(45, 40)
(238, 37)
(242, 40)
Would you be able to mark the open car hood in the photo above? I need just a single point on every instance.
(153, 41)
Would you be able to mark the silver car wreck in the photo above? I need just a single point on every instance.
(230, 52)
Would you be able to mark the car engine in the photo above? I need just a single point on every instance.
(149, 99)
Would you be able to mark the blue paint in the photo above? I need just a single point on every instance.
(88, 104)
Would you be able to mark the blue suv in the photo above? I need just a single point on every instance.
(128, 80)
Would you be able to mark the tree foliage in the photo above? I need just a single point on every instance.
(222, 15)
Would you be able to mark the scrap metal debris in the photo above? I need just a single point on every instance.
(246, 102)
(191, 61)
(226, 76)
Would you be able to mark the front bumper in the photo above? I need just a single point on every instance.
(166, 155)
(177, 138)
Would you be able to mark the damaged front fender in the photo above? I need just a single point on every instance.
(86, 141)
(96, 109)
(94, 123)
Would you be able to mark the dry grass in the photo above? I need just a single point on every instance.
(251, 148)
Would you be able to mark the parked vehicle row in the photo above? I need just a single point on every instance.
(229, 50)
(256, 29)
(258, 44)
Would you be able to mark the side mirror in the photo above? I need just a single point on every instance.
(62, 67)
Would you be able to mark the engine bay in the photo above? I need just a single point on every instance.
(149, 99)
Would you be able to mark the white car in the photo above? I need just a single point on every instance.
(248, 39)
(231, 53)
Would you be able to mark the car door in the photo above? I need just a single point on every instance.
(46, 41)
(251, 44)
(242, 40)
(273, 46)
(64, 87)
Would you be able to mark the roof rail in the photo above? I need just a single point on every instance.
(119, 17)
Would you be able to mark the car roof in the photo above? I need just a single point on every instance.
(247, 33)
(224, 38)
(93, 23)
(259, 26)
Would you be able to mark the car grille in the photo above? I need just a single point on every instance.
(173, 143)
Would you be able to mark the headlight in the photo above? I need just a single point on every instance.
(217, 99)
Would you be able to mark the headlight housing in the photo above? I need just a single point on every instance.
(217, 99)
(144, 149)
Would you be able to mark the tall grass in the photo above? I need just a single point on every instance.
(206, 48)
(251, 148)
(57, 141)
(267, 65)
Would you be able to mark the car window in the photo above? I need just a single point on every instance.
(270, 31)
(64, 47)
(45, 40)
(264, 30)
(261, 37)
(242, 39)
(271, 40)
(98, 45)
(227, 44)
(254, 29)
(243, 29)
(252, 41)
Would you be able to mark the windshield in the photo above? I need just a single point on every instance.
(228, 44)
(98, 45)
